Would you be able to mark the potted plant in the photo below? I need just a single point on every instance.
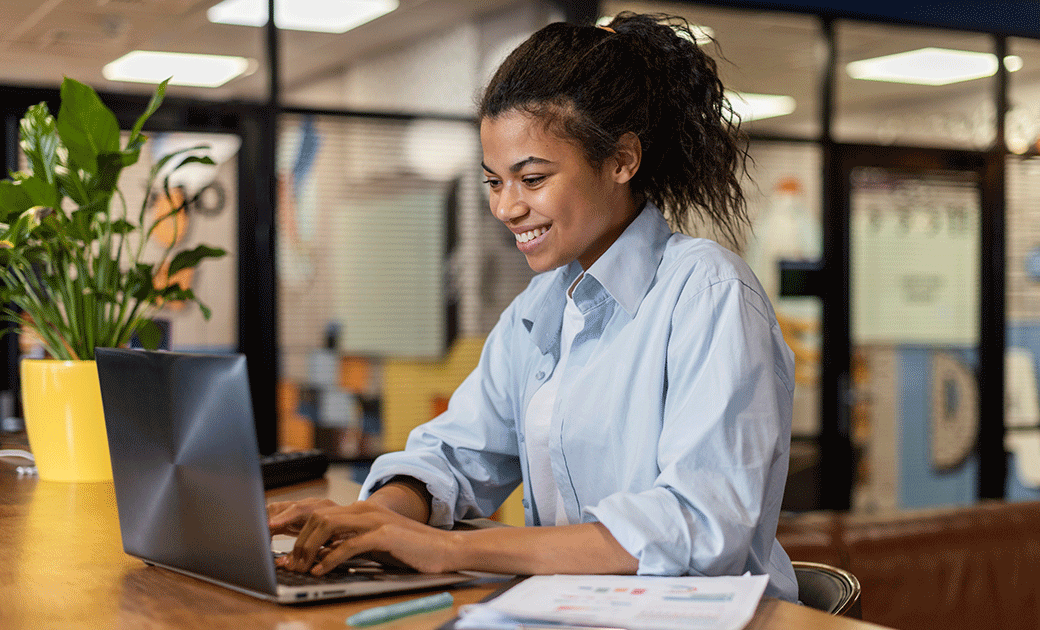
(72, 262)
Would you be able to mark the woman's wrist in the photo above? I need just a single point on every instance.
(406, 496)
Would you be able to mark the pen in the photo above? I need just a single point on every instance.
(382, 614)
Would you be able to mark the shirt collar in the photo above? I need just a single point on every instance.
(628, 267)
(625, 271)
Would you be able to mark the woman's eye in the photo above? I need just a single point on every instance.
(534, 180)
(491, 182)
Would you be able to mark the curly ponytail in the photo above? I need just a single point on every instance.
(645, 75)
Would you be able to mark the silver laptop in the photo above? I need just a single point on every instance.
(188, 483)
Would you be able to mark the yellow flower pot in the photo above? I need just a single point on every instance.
(64, 420)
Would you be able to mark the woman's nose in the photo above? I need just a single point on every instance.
(508, 205)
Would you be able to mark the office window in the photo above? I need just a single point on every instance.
(914, 275)
(897, 85)
(1022, 410)
(1023, 120)
(1022, 376)
(784, 200)
(369, 211)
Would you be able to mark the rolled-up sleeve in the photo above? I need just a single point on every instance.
(466, 456)
(723, 443)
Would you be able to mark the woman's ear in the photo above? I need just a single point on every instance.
(627, 158)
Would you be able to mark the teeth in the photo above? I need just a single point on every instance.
(533, 234)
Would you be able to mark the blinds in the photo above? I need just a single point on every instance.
(367, 208)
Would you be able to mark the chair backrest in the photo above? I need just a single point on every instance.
(828, 588)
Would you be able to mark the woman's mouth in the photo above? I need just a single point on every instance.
(530, 235)
(526, 241)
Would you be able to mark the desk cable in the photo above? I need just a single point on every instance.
(22, 471)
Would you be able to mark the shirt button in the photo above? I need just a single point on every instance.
(521, 438)
(540, 375)
(525, 504)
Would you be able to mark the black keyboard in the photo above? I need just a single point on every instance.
(284, 469)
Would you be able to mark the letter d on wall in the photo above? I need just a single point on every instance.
(955, 411)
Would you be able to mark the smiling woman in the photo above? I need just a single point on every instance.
(639, 388)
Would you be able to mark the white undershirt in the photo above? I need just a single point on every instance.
(539, 415)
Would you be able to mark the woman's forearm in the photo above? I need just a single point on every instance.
(406, 496)
(586, 548)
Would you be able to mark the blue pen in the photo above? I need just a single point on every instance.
(382, 614)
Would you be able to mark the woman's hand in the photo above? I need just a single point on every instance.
(328, 534)
(288, 517)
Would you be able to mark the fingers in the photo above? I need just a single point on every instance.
(315, 533)
(326, 526)
(331, 557)
(287, 517)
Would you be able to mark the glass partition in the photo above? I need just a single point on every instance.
(1022, 377)
(899, 85)
(368, 212)
(769, 61)
(784, 200)
(914, 275)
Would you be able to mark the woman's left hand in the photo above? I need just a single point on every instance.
(333, 534)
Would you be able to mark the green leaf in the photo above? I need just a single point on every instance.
(122, 226)
(196, 159)
(109, 167)
(149, 333)
(192, 257)
(40, 192)
(140, 283)
(157, 99)
(132, 152)
(86, 126)
(14, 200)
(72, 186)
(39, 141)
(80, 225)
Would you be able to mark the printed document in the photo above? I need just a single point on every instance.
(621, 601)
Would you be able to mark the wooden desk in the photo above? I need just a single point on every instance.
(62, 565)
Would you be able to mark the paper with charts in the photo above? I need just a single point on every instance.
(621, 601)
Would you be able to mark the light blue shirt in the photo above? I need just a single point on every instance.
(672, 423)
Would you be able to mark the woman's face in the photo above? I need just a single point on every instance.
(559, 207)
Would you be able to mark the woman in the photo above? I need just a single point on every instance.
(639, 387)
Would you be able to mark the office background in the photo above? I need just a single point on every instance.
(365, 269)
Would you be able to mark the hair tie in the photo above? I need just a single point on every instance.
(607, 29)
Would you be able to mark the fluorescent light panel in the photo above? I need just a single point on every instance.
(145, 66)
(930, 66)
(321, 16)
(751, 106)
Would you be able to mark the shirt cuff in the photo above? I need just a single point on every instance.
(443, 492)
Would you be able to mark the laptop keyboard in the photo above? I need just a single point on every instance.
(336, 576)
(356, 570)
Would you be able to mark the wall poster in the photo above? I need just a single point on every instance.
(914, 257)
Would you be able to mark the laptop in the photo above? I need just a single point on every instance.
(188, 484)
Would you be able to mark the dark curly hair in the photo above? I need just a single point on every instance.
(648, 77)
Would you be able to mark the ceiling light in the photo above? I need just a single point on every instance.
(750, 106)
(701, 34)
(144, 66)
(322, 16)
(930, 66)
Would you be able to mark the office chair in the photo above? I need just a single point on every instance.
(828, 588)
